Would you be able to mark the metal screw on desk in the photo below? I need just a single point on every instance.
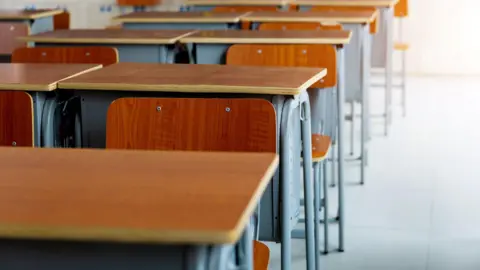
(44, 54)
(87, 54)
(14, 143)
(304, 51)
(322, 81)
(159, 108)
(227, 109)
(12, 28)
(259, 51)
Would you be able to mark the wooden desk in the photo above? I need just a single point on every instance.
(357, 3)
(19, 14)
(132, 45)
(166, 205)
(268, 37)
(198, 79)
(38, 80)
(235, 2)
(180, 20)
(39, 77)
(312, 16)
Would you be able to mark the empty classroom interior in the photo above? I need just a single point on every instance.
(238, 134)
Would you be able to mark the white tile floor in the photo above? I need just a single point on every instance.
(420, 207)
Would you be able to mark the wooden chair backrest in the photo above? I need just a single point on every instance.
(401, 9)
(373, 26)
(72, 55)
(9, 32)
(192, 124)
(61, 21)
(16, 119)
(299, 26)
(245, 25)
(294, 55)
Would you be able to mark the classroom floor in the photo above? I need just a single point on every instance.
(420, 206)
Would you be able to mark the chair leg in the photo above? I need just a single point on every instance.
(352, 131)
(333, 182)
(325, 206)
(404, 83)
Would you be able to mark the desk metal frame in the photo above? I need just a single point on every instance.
(59, 255)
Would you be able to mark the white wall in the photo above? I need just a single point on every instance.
(442, 33)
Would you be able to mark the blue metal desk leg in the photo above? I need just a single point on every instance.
(388, 67)
(308, 186)
(340, 145)
(286, 174)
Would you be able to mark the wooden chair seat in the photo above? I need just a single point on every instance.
(61, 21)
(401, 46)
(320, 147)
(16, 119)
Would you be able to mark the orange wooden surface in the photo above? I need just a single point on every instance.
(242, 125)
(326, 16)
(138, 2)
(320, 146)
(39, 77)
(16, 119)
(180, 17)
(24, 14)
(197, 79)
(68, 55)
(261, 256)
(299, 26)
(130, 196)
(61, 21)
(373, 26)
(401, 8)
(308, 55)
(9, 32)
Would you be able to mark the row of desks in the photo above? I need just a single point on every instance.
(99, 88)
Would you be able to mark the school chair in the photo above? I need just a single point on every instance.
(322, 105)
(9, 34)
(68, 55)
(16, 119)
(61, 21)
(195, 124)
(401, 12)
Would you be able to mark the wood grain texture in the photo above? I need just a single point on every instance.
(39, 77)
(269, 37)
(61, 21)
(197, 79)
(180, 17)
(192, 124)
(22, 14)
(67, 55)
(320, 147)
(138, 2)
(298, 26)
(319, 56)
(322, 16)
(130, 196)
(235, 2)
(109, 36)
(355, 3)
(374, 23)
(16, 119)
(401, 9)
(9, 32)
